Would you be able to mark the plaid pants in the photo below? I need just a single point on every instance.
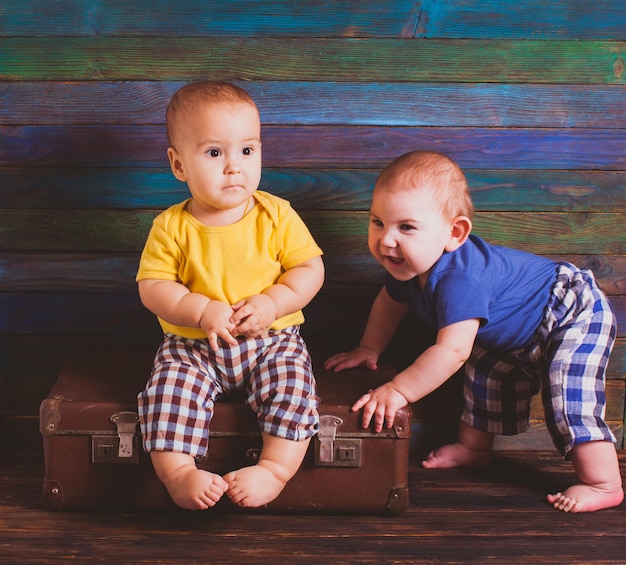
(566, 361)
(273, 372)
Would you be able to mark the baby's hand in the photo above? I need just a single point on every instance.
(253, 315)
(382, 404)
(359, 356)
(215, 321)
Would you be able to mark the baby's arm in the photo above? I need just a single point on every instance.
(174, 303)
(295, 288)
(384, 319)
(430, 370)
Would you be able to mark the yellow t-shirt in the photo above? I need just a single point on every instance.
(227, 263)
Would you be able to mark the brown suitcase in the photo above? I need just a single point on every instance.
(94, 459)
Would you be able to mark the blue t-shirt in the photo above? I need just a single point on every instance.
(506, 289)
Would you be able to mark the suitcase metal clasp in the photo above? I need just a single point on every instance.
(333, 452)
(122, 448)
(126, 424)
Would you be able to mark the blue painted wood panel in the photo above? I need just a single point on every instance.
(327, 146)
(315, 103)
(564, 19)
(312, 189)
(557, 19)
(350, 18)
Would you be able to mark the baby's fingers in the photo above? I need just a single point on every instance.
(332, 362)
(214, 342)
(361, 402)
(379, 417)
(370, 409)
(229, 338)
(390, 418)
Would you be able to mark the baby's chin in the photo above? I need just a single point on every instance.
(397, 269)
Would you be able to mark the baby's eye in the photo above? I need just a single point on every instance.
(247, 151)
(406, 227)
(376, 222)
(213, 152)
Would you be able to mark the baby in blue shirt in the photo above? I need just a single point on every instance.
(519, 324)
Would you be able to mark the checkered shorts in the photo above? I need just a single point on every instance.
(566, 361)
(273, 372)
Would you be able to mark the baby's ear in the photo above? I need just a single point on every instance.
(459, 232)
(176, 164)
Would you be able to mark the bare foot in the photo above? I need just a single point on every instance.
(195, 489)
(586, 498)
(455, 455)
(251, 487)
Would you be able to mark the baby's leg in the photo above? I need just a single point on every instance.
(472, 449)
(190, 488)
(600, 482)
(259, 484)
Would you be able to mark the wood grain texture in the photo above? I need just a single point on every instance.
(244, 18)
(317, 103)
(327, 146)
(307, 188)
(496, 514)
(96, 271)
(336, 231)
(563, 19)
(321, 60)
(566, 19)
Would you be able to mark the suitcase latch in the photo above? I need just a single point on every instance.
(331, 451)
(121, 448)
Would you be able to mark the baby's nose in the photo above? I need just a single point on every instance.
(232, 166)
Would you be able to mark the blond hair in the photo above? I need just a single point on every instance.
(198, 94)
(429, 170)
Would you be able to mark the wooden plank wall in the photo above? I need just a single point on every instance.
(530, 101)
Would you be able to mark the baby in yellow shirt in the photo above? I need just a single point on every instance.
(227, 272)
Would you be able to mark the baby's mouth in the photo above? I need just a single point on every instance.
(394, 260)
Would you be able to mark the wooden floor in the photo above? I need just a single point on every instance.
(493, 515)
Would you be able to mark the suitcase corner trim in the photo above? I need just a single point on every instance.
(398, 501)
(49, 415)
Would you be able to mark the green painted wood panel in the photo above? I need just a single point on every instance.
(327, 146)
(317, 103)
(320, 60)
(125, 230)
(311, 189)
